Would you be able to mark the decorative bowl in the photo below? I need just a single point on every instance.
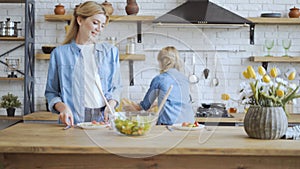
(48, 49)
(133, 123)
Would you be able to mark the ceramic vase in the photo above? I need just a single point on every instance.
(265, 122)
(294, 13)
(59, 9)
(108, 7)
(11, 111)
(132, 7)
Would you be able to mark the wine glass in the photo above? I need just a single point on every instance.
(286, 44)
(269, 43)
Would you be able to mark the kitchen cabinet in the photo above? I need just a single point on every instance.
(28, 73)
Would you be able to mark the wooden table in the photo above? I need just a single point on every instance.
(33, 145)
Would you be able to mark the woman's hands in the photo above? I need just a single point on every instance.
(112, 104)
(65, 115)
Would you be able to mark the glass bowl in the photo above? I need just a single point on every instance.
(133, 123)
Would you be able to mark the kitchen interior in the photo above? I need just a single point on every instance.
(214, 51)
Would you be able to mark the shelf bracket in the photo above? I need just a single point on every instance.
(265, 65)
(139, 31)
(252, 26)
(13, 49)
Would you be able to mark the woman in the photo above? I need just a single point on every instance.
(77, 66)
(177, 108)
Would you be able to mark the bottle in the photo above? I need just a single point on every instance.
(130, 46)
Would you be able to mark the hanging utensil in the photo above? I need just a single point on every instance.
(193, 78)
(215, 80)
(206, 70)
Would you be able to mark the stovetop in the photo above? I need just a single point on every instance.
(212, 112)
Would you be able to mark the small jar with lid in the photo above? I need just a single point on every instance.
(130, 46)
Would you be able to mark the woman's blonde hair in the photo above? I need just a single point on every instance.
(84, 10)
(168, 58)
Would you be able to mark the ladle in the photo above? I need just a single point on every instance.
(206, 70)
(193, 78)
(215, 80)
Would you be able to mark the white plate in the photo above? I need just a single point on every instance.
(180, 127)
(90, 125)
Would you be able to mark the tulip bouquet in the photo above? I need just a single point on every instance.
(267, 89)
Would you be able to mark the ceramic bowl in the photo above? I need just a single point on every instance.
(48, 49)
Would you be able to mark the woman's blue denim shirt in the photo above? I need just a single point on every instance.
(65, 82)
(177, 108)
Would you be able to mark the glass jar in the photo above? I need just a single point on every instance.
(112, 40)
(130, 46)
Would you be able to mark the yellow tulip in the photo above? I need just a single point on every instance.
(280, 93)
(261, 70)
(246, 74)
(225, 96)
(292, 76)
(266, 78)
(251, 72)
(273, 72)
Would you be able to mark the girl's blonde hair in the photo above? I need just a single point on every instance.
(84, 10)
(168, 58)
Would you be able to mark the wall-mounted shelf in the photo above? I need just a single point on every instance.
(2, 38)
(123, 57)
(14, 79)
(265, 20)
(274, 59)
(266, 59)
(117, 18)
(114, 18)
(12, 1)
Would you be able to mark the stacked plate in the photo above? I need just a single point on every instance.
(271, 15)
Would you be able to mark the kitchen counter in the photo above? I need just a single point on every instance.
(33, 145)
(238, 119)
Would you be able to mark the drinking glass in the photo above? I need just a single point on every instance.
(269, 43)
(286, 44)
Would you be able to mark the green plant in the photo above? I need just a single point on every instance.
(10, 101)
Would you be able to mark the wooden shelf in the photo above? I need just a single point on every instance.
(274, 59)
(135, 57)
(12, 1)
(15, 79)
(12, 38)
(42, 56)
(265, 20)
(116, 18)
(123, 57)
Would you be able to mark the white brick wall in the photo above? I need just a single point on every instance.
(233, 45)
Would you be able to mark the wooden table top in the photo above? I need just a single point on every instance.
(216, 140)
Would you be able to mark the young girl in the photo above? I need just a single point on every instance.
(177, 108)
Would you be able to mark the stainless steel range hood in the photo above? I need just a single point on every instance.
(203, 12)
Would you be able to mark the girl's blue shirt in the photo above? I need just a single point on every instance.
(178, 107)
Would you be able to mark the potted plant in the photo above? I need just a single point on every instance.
(267, 94)
(10, 102)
